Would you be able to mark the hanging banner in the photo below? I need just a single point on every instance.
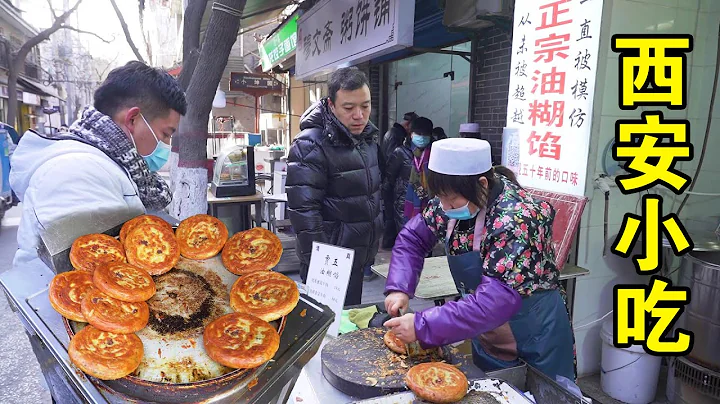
(280, 45)
(552, 84)
(347, 32)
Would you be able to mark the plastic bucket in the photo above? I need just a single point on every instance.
(627, 374)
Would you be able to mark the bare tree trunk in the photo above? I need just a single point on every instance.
(17, 61)
(190, 191)
(125, 29)
(192, 22)
(16, 65)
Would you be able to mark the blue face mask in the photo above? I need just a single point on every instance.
(420, 140)
(462, 213)
(160, 155)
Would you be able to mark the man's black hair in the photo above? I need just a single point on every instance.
(348, 79)
(139, 85)
(422, 126)
(410, 116)
(439, 133)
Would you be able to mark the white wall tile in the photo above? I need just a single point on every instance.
(618, 205)
(664, 3)
(689, 4)
(642, 18)
(709, 5)
(611, 87)
(605, 135)
(685, 22)
(707, 25)
(700, 82)
(590, 253)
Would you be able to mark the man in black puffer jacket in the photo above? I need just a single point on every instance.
(394, 138)
(334, 177)
(395, 183)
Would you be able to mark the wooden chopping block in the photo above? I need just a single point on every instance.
(360, 365)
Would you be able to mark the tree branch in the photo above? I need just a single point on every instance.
(52, 10)
(71, 28)
(128, 37)
(102, 74)
(44, 35)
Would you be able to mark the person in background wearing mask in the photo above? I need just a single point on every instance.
(418, 196)
(395, 138)
(108, 159)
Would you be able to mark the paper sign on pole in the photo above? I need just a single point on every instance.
(328, 277)
(552, 83)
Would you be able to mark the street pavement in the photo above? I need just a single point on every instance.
(20, 378)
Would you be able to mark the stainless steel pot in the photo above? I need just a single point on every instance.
(700, 271)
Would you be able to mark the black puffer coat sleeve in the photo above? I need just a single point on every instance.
(395, 164)
(305, 185)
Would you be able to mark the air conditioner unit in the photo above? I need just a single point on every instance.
(476, 14)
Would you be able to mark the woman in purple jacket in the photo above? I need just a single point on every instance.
(498, 243)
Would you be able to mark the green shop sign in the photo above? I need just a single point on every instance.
(280, 45)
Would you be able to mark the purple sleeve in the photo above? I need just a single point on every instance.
(491, 306)
(412, 245)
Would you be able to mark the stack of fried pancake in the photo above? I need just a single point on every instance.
(246, 339)
(113, 280)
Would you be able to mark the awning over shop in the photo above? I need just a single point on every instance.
(35, 87)
(429, 32)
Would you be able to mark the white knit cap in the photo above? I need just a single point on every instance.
(469, 128)
(460, 156)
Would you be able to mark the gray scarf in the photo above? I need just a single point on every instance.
(100, 131)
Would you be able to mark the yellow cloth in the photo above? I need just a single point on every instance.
(361, 317)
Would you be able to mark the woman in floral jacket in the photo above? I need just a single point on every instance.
(498, 244)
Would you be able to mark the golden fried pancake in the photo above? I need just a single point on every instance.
(396, 345)
(67, 291)
(105, 355)
(92, 250)
(152, 247)
(113, 315)
(253, 250)
(265, 294)
(393, 342)
(437, 382)
(241, 341)
(124, 282)
(201, 237)
(142, 219)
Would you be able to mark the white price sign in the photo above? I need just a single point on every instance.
(552, 84)
(328, 277)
